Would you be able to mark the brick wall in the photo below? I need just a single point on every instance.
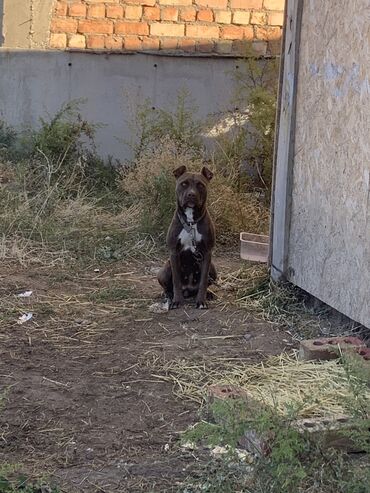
(203, 26)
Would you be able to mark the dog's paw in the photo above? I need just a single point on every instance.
(176, 304)
(201, 305)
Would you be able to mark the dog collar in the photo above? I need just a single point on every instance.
(189, 226)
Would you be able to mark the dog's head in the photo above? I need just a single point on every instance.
(191, 188)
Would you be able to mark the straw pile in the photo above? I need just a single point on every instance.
(312, 389)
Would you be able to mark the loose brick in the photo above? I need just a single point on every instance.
(77, 41)
(169, 14)
(273, 4)
(168, 44)
(138, 28)
(241, 17)
(205, 46)
(96, 10)
(176, 2)
(206, 32)
(132, 43)
(237, 32)
(214, 4)
(188, 15)
(95, 26)
(258, 18)
(205, 15)
(247, 4)
(77, 10)
(63, 26)
(268, 33)
(223, 16)
(276, 18)
(185, 44)
(150, 44)
(113, 43)
(95, 42)
(327, 348)
(58, 41)
(114, 11)
(169, 30)
(152, 13)
(61, 9)
(224, 47)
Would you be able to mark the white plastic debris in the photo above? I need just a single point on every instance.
(25, 294)
(159, 307)
(24, 318)
(96, 270)
(189, 446)
(167, 447)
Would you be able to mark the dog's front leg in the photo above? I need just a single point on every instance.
(203, 284)
(178, 297)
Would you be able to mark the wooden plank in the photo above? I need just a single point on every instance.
(284, 147)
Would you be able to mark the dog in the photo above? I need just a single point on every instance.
(190, 240)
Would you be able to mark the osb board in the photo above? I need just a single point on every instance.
(329, 242)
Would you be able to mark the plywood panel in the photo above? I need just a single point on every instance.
(329, 243)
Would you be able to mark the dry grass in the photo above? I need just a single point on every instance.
(282, 382)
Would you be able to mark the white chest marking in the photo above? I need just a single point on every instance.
(187, 239)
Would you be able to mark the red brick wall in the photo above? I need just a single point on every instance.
(208, 26)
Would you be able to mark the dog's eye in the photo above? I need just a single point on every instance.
(184, 184)
(200, 186)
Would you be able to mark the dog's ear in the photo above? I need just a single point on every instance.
(179, 171)
(208, 175)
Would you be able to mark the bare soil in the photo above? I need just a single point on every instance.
(81, 400)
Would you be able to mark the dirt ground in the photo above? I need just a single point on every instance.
(82, 402)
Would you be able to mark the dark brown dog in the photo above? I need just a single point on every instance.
(190, 239)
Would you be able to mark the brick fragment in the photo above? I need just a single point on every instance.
(328, 348)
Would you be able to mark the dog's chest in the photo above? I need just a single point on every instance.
(189, 239)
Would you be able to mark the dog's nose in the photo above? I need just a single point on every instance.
(191, 194)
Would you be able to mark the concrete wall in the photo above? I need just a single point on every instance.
(329, 236)
(37, 83)
(25, 23)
